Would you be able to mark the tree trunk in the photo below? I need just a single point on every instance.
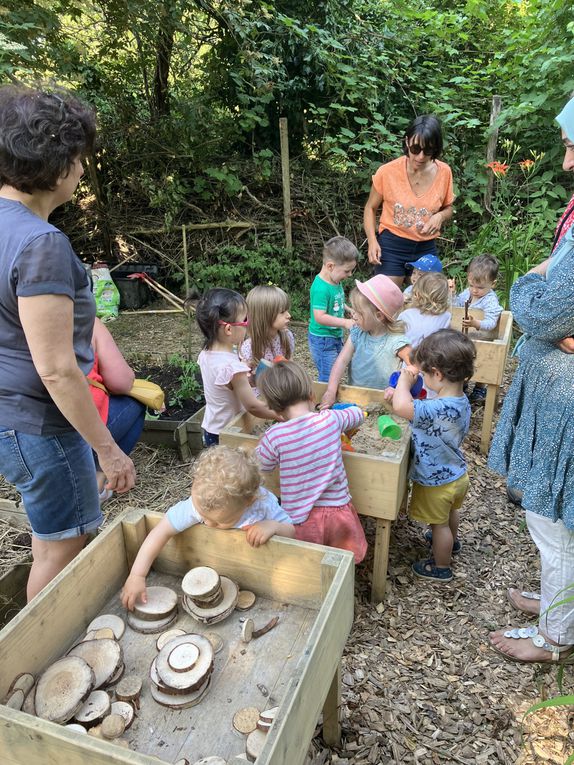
(163, 51)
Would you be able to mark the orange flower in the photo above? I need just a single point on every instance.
(526, 163)
(498, 168)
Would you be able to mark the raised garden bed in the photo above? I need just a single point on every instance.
(180, 425)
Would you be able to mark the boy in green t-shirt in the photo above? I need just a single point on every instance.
(328, 304)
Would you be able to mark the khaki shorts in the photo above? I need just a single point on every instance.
(433, 504)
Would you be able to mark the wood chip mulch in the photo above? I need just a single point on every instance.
(420, 683)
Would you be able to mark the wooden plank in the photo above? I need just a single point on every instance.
(294, 725)
(381, 560)
(67, 605)
(487, 417)
(282, 569)
(332, 705)
(135, 530)
(286, 180)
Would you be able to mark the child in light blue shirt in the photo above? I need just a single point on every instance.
(438, 470)
(377, 345)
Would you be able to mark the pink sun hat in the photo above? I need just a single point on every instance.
(383, 293)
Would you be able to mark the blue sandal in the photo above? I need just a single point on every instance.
(456, 547)
(427, 569)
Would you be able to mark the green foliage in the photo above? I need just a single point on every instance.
(189, 380)
(241, 268)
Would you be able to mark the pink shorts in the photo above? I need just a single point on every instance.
(334, 526)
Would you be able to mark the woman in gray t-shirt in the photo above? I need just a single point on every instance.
(48, 421)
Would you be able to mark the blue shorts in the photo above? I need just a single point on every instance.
(396, 252)
(56, 477)
(324, 351)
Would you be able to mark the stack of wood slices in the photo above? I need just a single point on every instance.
(208, 597)
(77, 689)
(158, 612)
(255, 725)
(181, 672)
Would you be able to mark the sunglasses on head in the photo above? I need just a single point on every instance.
(416, 148)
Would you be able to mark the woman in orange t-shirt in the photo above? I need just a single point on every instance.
(416, 195)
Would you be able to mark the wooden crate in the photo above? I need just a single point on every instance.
(183, 435)
(491, 354)
(378, 484)
(292, 575)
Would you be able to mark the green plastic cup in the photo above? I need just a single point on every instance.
(388, 428)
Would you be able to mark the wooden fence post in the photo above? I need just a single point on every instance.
(284, 137)
(491, 149)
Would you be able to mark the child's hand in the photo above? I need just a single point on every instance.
(348, 323)
(471, 323)
(389, 393)
(133, 589)
(451, 286)
(260, 532)
(328, 399)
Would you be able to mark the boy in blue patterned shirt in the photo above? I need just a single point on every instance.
(438, 469)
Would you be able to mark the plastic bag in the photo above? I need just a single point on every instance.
(105, 292)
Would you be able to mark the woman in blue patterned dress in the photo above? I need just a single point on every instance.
(534, 440)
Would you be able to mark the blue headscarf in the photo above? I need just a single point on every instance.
(566, 119)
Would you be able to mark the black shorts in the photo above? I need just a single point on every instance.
(396, 252)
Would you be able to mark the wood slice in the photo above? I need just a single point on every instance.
(96, 731)
(29, 705)
(198, 613)
(117, 676)
(125, 709)
(263, 726)
(114, 622)
(182, 701)
(201, 582)
(161, 603)
(268, 715)
(156, 679)
(113, 726)
(213, 601)
(165, 637)
(245, 720)
(193, 678)
(183, 657)
(183, 761)
(215, 640)
(62, 689)
(94, 709)
(129, 688)
(254, 744)
(210, 615)
(104, 657)
(147, 627)
(103, 632)
(76, 727)
(15, 699)
(245, 600)
(211, 761)
(247, 630)
(22, 682)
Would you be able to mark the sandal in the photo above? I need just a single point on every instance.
(427, 569)
(533, 596)
(456, 546)
(558, 651)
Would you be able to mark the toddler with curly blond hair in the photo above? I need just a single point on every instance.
(226, 494)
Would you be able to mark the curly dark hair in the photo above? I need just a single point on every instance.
(218, 304)
(448, 351)
(41, 136)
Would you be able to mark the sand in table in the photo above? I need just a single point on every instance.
(367, 440)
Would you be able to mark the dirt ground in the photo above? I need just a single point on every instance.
(420, 683)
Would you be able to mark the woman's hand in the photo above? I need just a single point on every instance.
(566, 345)
(374, 254)
(118, 469)
(432, 226)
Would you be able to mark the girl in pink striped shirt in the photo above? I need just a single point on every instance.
(307, 449)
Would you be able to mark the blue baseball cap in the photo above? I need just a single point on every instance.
(427, 263)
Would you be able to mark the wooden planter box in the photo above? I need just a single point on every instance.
(378, 484)
(183, 435)
(309, 586)
(490, 362)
